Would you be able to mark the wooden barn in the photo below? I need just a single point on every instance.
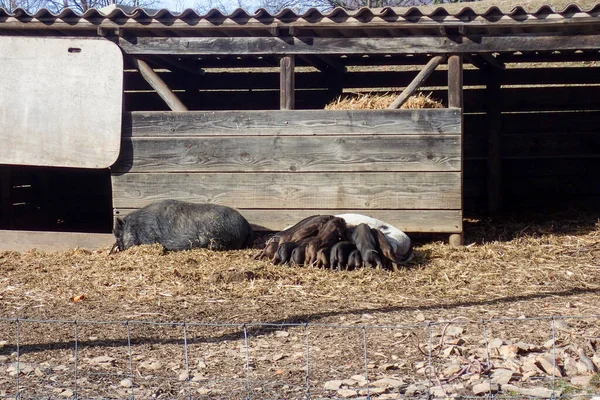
(105, 112)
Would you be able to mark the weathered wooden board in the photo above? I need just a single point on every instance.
(441, 221)
(52, 241)
(61, 102)
(298, 122)
(290, 153)
(370, 190)
(344, 46)
(287, 83)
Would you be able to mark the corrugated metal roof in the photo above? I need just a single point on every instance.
(364, 17)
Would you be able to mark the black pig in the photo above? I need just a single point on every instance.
(366, 243)
(179, 225)
(338, 258)
(355, 260)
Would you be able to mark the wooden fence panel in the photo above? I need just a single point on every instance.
(276, 167)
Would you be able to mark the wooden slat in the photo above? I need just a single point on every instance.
(52, 241)
(375, 190)
(299, 122)
(290, 153)
(343, 46)
(425, 221)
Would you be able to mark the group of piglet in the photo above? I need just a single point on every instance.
(345, 241)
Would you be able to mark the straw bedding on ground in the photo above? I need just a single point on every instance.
(543, 266)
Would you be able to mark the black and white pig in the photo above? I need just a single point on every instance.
(179, 225)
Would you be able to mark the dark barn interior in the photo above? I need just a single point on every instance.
(531, 105)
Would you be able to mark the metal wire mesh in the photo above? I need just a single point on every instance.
(188, 360)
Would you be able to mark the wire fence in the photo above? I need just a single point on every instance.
(537, 357)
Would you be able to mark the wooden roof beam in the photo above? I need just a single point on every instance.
(417, 82)
(201, 46)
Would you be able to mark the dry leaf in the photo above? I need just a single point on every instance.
(81, 297)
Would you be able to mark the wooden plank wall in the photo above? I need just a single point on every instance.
(402, 166)
(548, 134)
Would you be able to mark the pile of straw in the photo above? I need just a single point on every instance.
(376, 101)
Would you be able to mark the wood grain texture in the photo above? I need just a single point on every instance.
(455, 82)
(290, 154)
(345, 46)
(422, 221)
(287, 83)
(298, 122)
(374, 190)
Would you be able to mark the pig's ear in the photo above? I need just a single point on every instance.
(119, 224)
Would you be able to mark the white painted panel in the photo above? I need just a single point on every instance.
(60, 101)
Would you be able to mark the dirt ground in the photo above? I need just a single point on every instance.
(306, 329)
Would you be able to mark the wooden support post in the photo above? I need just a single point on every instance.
(159, 85)
(287, 84)
(493, 100)
(455, 100)
(417, 82)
